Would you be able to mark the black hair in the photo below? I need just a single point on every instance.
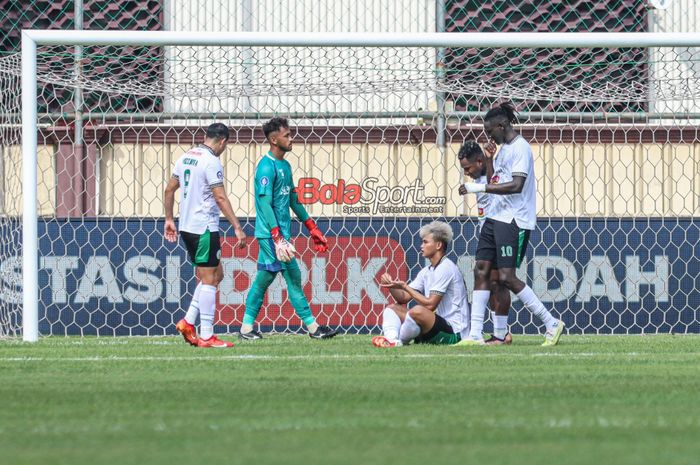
(217, 131)
(274, 125)
(469, 150)
(505, 110)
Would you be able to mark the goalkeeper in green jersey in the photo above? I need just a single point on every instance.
(274, 197)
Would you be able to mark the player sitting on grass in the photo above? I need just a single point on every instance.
(441, 313)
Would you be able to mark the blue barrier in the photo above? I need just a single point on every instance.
(119, 277)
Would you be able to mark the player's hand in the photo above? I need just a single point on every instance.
(242, 238)
(490, 149)
(170, 231)
(392, 283)
(385, 279)
(283, 249)
(471, 188)
(320, 241)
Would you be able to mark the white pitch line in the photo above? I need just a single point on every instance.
(387, 356)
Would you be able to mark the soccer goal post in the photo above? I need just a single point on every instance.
(378, 119)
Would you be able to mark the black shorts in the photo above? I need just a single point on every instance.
(502, 244)
(440, 333)
(203, 249)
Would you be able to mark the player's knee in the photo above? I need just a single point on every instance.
(208, 277)
(294, 273)
(388, 312)
(509, 279)
(481, 275)
(397, 308)
(418, 314)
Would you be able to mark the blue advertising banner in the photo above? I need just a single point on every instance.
(119, 276)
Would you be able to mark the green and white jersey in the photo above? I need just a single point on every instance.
(483, 201)
(446, 279)
(198, 171)
(273, 177)
(515, 159)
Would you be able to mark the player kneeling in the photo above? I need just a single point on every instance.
(441, 314)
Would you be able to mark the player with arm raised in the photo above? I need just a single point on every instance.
(472, 161)
(275, 195)
(200, 174)
(441, 313)
(512, 215)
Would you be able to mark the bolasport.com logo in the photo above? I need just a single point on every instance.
(371, 197)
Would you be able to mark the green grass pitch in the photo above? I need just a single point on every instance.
(292, 400)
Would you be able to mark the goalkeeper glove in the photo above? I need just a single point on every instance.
(320, 241)
(283, 249)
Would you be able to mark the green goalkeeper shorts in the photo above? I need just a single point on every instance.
(267, 257)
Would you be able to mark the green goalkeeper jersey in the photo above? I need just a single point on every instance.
(273, 178)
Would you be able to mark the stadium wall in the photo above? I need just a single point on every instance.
(582, 171)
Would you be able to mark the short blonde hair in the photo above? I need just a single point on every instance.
(441, 231)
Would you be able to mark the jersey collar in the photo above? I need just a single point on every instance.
(438, 263)
(207, 148)
(270, 156)
(513, 139)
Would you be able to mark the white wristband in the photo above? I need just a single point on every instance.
(474, 187)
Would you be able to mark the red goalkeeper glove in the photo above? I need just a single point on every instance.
(320, 241)
(283, 249)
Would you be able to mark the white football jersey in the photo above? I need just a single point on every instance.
(483, 202)
(446, 279)
(512, 159)
(198, 171)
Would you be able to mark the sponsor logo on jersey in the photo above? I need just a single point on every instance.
(220, 175)
(494, 179)
(264, 181)
(481, 212)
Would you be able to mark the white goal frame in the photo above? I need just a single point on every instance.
(33, 38)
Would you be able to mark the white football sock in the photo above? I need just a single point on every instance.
(391, 324)
(409, 330)
(534, 305)
(500, 326)
(193, 309)
(312, 327)
(207, 308)
(479, 301)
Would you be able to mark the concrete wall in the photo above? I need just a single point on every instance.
(573, 179)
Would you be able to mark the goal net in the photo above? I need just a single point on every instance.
(376, 133)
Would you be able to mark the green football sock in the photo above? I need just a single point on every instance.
(256, 295)
(292, 275)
